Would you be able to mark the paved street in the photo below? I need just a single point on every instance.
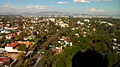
(37, 62)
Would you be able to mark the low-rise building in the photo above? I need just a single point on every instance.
(5, 60)
(11, 47)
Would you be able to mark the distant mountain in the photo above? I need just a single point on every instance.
(36, 13)
(45, 13)
(9, 13)
(26, 13)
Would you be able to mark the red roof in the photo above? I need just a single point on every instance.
(13, 45)
(4, 59)
(17, 47)
(3, 44)
(28, 43)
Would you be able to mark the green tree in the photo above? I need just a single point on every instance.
(61, 63)
(22, 47)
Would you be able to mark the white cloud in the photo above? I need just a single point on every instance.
(35, 7)
(87, 1)
(8, 5)
(96, 10)
(81, 1)
(62, 2)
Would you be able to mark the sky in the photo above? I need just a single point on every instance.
(95, 7)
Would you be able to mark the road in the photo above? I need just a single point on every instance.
(43, 45)
(36, 64)
(49, 40)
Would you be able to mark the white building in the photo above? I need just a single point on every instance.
(11, 48)
(86, 20)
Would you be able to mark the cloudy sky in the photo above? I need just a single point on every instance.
(101, 7)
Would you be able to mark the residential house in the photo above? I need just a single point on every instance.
(116, 46)
(26, 43)
(11, 47)
(86, 20)
(5, 59)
